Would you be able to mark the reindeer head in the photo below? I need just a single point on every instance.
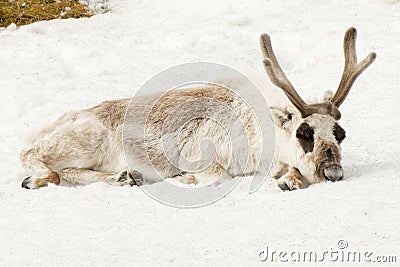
(313, 133)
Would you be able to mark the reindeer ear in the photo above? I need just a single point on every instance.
(282, 117)
(328, 94)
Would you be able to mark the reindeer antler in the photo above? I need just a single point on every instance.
(276, 74)
(278, 77)
(352, 69)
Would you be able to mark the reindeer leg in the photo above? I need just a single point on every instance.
(86, 176)
(278, 169)
(41, 173)
(292, 180)
(215, 174)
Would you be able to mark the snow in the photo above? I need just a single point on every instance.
(51, 67)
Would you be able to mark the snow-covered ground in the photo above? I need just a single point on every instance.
(48, 68)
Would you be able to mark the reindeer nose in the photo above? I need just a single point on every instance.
(329, 154)
(333, 173)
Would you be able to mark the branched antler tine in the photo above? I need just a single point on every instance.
(280, 81)
(277, 76)
(341, 95)
(352, 69)
(350, 59)
(349, 46)
(268, 52)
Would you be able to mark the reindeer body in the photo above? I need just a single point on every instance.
(87, 146)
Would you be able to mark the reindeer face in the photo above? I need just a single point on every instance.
(311, 144)
(319, 137)
(311, 137)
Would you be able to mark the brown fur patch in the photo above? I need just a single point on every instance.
(323, 158)
(111, 113)
(51, 178)
(171, 99)
(295, 176)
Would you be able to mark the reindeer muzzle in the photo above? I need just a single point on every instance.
(332, 172)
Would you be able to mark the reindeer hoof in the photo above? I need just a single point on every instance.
(286, 184)
(291, 181)
(27, 183)
(284, 187)
(128, 178)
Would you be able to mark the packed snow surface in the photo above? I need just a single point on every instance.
(48, 68)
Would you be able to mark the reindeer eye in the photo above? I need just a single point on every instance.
(339, 133)
(305, 136)
(289, 116)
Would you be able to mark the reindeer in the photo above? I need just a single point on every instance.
(96, 144)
